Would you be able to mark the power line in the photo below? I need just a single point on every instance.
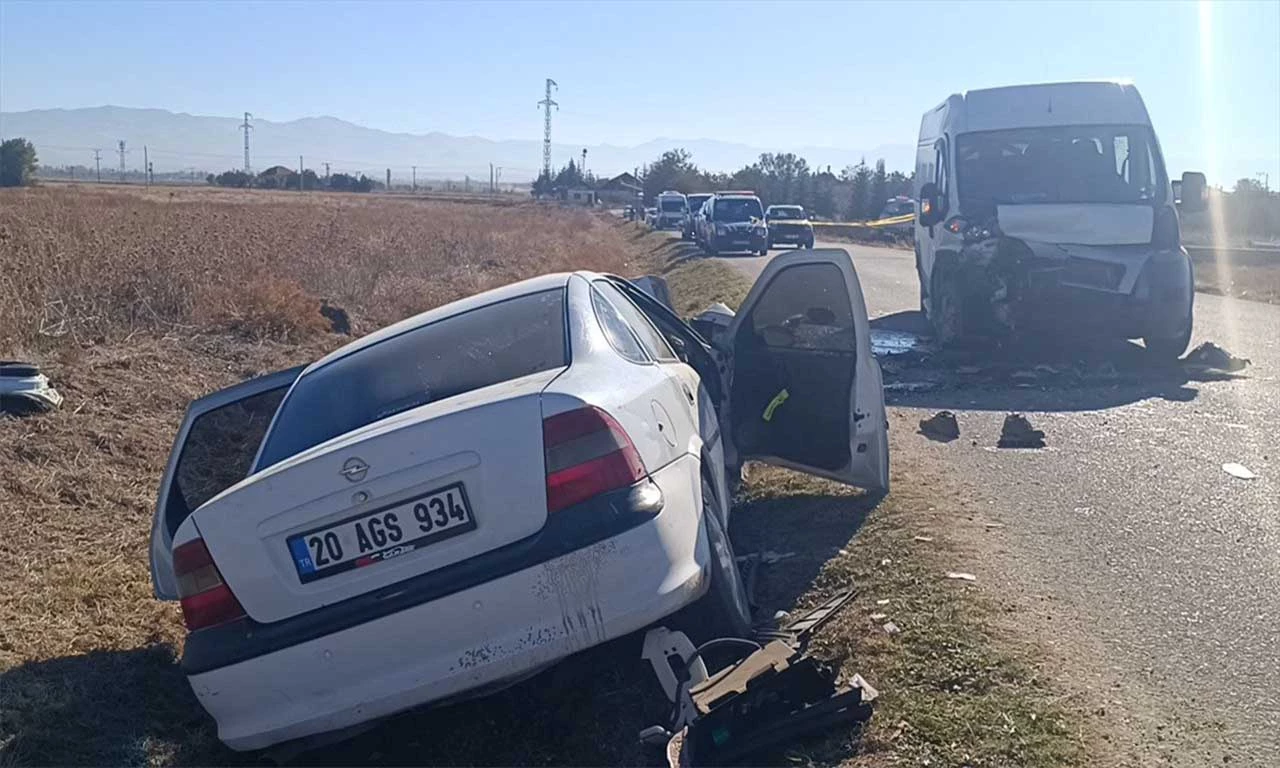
(246, 127)
(547, 104)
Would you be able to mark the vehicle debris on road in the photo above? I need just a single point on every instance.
(1210, 355)
(1017, 432)
(941, 427)
(961, 576)
(24, 390)
(771, 696)
(1238, 470)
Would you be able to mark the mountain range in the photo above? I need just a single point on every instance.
(178, 141)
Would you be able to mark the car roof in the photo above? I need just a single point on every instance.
(532, 285)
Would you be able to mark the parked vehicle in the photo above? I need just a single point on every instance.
(734, 221)
(1050, 205)
(651, 217)
(789, 224)
(693, 210)
(672, 210)
(459, 500)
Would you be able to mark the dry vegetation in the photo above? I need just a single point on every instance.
(136, 303)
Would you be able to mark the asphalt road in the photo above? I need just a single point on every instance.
(1153, 572)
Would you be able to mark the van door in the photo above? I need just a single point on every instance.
(805, 390)
(934, 162)
(214, 449)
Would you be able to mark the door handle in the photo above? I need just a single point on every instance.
(688, 393)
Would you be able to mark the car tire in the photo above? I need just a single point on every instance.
(762, 252)
(725, 610)
(947, 317)
(1169, 349)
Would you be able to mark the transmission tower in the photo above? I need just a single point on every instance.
(122, 154)
(547, 104)
(246, 127)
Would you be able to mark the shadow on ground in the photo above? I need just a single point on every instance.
(1042, 372)
(129, 707)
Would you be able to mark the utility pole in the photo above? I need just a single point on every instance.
(547, 104)
(388, 179)
(326, 171)
(491, 178)
(415, 177)
(583, 168)
(300, 176)
(146, 166)
(97, 163)
(122, 168)
(246, 127)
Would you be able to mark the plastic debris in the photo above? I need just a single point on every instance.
(885, 601)
(1210, 355)
(24, 390)
(941, 427)
(961, 576)
(1017, 432)
(1238, 470)
(890, 628)
(879, 616)
(925, 539)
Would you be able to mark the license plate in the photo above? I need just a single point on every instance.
(382, 534)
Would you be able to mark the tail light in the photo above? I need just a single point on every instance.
(206, 600)
(1165, 232)
(587, 454)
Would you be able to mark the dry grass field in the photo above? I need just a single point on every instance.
(135, 303)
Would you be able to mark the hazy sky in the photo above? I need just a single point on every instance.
(854, 75)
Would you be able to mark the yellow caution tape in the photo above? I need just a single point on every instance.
(906, 218)
(777, 400)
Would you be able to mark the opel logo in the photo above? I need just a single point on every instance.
(354, 469)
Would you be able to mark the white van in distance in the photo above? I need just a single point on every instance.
(671, 210)
(1049, 205)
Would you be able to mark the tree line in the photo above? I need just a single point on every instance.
(858, 192)
(279, 177)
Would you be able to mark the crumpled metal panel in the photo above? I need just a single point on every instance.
(32, 391)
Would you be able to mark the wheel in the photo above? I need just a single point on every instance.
(924, 309)
(724, 611)
(762, 252)
(947, 317)
(1169, 349)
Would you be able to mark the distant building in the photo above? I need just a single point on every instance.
(580, 196)
(623, 189)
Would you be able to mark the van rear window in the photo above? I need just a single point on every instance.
(485, 346)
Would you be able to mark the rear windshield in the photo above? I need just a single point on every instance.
(484, 346)
(786, 213)
(738, 209)
(696, 201)
(672, 206)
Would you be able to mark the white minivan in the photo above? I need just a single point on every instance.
(1049, 206)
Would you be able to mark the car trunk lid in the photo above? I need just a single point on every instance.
(472, 465)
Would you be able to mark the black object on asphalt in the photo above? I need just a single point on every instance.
(1017, 432)
(1210, 355)
(941, 427)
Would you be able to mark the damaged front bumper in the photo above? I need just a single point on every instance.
(1124, 291)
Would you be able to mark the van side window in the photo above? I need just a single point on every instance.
(940, 167)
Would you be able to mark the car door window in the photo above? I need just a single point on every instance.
(218, 452)
(794, 364)
(620, 337)
(652, 341)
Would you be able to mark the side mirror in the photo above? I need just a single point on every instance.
(930, 210)
(1195, 192)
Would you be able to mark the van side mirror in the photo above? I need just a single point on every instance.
(1195, 192)
(930, 210)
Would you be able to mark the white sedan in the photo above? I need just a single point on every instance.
(459, 500)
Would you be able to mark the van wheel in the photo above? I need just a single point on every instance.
(1168, 350)
(725, 610)
(947, 317)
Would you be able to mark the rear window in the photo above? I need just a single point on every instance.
(737, 209)
(787, 213)
(485, 346)
(672, 206)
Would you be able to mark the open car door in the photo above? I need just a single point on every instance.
(213, 451)
(805, 391)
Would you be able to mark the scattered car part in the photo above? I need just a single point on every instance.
(1238, 470)
(1017, 432)
(339, 320)
(941, 427)
(1210, 355)
(775, 694)
(713, 322)
(961, 576)
(24, 390)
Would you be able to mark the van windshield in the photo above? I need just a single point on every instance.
(1059, 164)
(731, 209)
(672, 206)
